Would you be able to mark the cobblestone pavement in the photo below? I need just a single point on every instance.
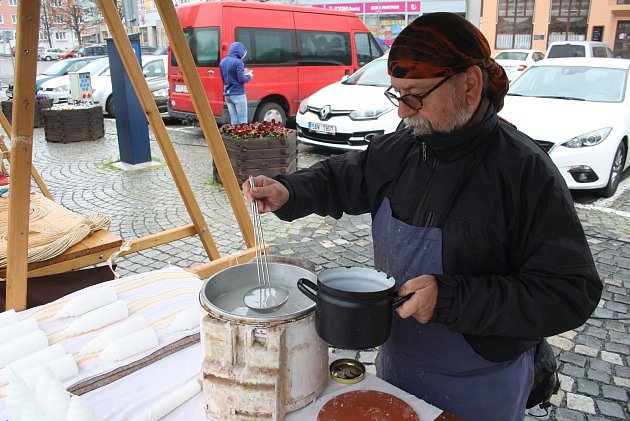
(594, 359)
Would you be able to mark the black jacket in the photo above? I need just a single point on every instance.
(517, 266)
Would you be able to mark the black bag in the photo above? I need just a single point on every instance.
(546, 382)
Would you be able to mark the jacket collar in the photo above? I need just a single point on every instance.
(451, 146)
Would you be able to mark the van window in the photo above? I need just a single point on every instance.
(568, 50)
(324, 48)
(600, 52)
(204, 46)
(367, 48)
(268, 46)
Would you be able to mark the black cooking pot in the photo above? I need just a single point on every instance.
(354, 306)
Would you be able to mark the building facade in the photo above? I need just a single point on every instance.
(536, 23)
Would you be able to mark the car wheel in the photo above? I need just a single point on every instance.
(47, 58)
(109, 106)
(271, 111)
(616, 171)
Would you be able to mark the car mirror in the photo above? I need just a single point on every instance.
(344, 77)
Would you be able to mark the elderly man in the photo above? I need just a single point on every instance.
(469, 214)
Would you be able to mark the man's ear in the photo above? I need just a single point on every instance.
(473, 85)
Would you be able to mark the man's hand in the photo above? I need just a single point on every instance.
(269, 193)
(422, 304)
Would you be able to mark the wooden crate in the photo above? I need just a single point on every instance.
(74, 125)
(266, 156)
(40, 106)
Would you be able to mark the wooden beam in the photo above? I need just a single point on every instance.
(129, 60)
(205, 270)
(38, 179)
(179, 47)
(21, 152)
(160, 238)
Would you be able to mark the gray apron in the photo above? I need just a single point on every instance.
(430, 361)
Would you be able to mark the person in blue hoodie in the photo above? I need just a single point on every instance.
(235, 76)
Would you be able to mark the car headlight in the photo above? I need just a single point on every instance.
(588, 139)
(303, 106)
(62, 88)
(369, 113)
(160, 92)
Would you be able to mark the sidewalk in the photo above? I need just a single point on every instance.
(594, 358)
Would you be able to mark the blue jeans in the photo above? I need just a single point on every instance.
(237, 106)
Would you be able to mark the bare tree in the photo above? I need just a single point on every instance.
(44, 25)
(75, 14)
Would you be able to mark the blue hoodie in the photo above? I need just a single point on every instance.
(233, 70)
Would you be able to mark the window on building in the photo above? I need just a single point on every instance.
(14, 18)
(58, 19)
(515, 24)
(42, 36)
(569, 20)
(13, 2)
(60, 36)
(56, 3)
(1, 19)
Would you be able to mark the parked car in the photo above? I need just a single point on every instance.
(578, 49)
(84, 50)
(515, 61)
(578, 110)
(58, 89)
(161, 50)
(147, 49)
(348, 114)
(154, 69)
(58, 69)
(48, 54)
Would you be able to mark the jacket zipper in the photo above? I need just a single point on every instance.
(434, 166)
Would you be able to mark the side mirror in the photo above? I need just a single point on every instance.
(344, 77)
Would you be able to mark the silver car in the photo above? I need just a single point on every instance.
(50, 54)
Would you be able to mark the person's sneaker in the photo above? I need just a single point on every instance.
(4, 180)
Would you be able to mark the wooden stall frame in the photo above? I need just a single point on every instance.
(22, 140)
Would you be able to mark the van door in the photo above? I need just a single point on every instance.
(367, 48)
(204, 46)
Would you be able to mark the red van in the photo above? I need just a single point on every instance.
(293, 50)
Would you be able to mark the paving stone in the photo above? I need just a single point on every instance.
(588, 387)
(570, 357)
(611, 409)
(580, 403)
(614, 392)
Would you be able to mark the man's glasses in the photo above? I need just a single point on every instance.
(412, 101)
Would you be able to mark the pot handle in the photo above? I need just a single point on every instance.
(399, 300)
(304, 284)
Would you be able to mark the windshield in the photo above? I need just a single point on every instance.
(511, 55)
(56, 69)
(372, 74)
(95, 67)
(597, 84)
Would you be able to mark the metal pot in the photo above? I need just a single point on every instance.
(354, 306)
(260, 364)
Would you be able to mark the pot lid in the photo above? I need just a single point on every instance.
(356, 279)
(223, 292)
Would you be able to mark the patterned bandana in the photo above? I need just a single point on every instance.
(443, 44)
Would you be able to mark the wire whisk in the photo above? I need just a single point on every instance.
(259, 244)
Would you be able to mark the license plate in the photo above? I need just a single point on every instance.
(322, 128)
(182, 89)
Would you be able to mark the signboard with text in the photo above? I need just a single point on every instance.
(378, 7)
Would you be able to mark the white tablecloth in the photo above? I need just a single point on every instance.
(135, 393)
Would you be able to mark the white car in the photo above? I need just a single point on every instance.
(348, 114)
(50, 54)
(154, 68)
(58, 88)
(515, 61)
(578, 110)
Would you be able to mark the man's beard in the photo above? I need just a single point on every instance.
(454, 120)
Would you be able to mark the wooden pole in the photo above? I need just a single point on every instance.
(179, 47)
(128, 57)
(38, 179)
(21, 152)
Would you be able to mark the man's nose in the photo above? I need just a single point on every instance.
(404, 111)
